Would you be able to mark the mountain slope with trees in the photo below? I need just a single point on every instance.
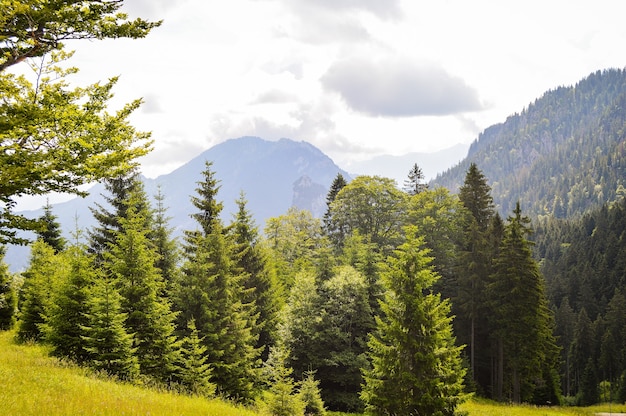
(563, 154)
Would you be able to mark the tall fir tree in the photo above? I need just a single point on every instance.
(416, 368)
(210, 292)
(68, 316)
(415, 182)
(473, 271)
(108, 218)
(130, 261)
(522, 321)
(45, 270)
(260, 286)
(331, 229)
(50, 231)
(168, 253)
(8, 295)
(109, 345)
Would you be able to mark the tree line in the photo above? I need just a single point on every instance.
(356, 306)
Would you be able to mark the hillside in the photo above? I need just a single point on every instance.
(563, 154)
(31, 383)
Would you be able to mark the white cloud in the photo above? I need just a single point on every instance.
(399, 88)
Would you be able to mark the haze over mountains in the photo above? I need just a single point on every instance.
(274, 175)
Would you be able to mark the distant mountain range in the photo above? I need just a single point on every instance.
(274, 175)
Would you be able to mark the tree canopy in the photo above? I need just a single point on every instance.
(54, 137)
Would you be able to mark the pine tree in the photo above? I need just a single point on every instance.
(522, 320)
(50, 232)
(416, 369)
(168, 254)
(68, 318)
(280, 399)
(260, 288)
(212, 294)
(40, 281)
(309, 393)
(331, 229)
(149, 318)
(119, 188)
(8, 295)
(194, 372)
(474, 269)
(415, 183)
(109, 345)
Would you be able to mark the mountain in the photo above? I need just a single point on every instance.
(274, 175)
(561, 156)
(397, 167)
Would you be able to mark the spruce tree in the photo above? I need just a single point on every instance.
(167, 250)
(130, 262)
(194, 372)
(522, 320)
(40, 281)
(416, 368)
(330, 227)
(8, 295)
(281, 398)
(416, 181)
(210, 292)
(474, 268)
(309, 393)
(119, 188)
(260, 287)
(109, 345)
(50, 231)
(68, 318)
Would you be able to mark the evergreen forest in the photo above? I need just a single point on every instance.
(503, 278)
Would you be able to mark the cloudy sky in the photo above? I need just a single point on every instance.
(356, 78)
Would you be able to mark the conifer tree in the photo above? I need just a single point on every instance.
(416, 181)
(119, 188)
(194, 372)
(8, 295)
(474, 269)
(330, 227)
(522, 320)
(212, 294)
(109, 345)
(281, 398)
(168, 253)
(309, 393)
(416, 368)
(68, 317)
(260, 287)
(40, 280)
(50, 231)
(149, 317)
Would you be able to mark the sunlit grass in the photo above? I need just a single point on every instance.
(479, 407)
(31, 383)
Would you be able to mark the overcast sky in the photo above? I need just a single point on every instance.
(356, 78)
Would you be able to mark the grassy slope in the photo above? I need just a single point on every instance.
(31, 383)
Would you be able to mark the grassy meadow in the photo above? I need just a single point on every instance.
(32, 383)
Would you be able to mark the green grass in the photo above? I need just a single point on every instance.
(31, 383)
(481, 407)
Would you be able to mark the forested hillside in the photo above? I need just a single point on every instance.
(562, 155)
(584, 263)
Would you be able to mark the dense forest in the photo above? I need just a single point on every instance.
(562, 155)
(504, 277)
